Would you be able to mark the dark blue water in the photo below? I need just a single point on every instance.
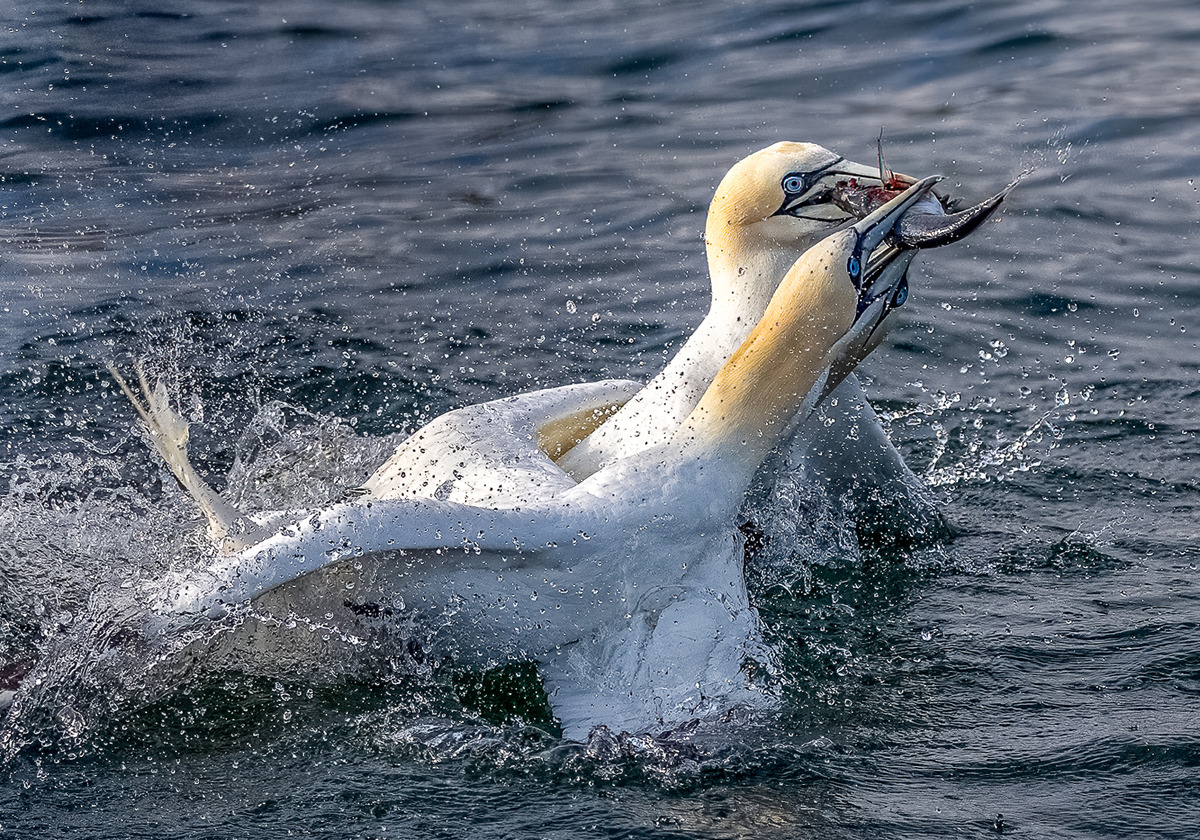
(332, 222)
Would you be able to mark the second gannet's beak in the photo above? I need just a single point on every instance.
(878, 269)
(874, 254)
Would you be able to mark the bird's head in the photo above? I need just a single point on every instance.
(770, 208)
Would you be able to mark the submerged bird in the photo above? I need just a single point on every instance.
(508, 502)
(625, 588)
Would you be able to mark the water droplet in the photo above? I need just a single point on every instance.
(571, 307)
(1062, 397)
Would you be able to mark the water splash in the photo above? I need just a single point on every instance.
(797, 525)
(89, 544)
(115, 653)
(292, 458)
(963, 452)
(1058, 149)
(681, 760)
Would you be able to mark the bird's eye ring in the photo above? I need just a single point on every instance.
(901, 293)
(854, 266)
(794, 184)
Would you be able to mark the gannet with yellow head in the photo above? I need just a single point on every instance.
(768, 210)
(626, 589)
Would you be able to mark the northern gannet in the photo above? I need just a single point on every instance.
(769, 208)
(626, 588)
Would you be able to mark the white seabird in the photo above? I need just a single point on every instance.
(767, 211)
(626, 588)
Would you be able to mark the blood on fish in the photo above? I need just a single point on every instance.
(861, 199)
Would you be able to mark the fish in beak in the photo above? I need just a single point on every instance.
(929, 225)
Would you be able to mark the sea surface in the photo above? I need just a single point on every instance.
(327, 223)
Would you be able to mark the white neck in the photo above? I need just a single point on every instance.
(744, 273)
(754, 397)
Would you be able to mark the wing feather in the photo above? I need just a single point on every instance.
(315, 540)
(499, 454)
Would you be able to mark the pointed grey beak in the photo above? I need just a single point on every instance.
(878, 269)
(875, 227)
(887, 243)
(822, 196)
(869, 263)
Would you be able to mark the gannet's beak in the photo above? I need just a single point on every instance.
(878, 269)
(869, 263)
(816, 202)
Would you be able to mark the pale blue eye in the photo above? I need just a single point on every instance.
(901, 294)
(853, 266)
(793, 184)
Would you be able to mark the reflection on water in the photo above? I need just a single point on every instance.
(330, 228)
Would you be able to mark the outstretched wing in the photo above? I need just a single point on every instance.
(322, 538)
(499, 454)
